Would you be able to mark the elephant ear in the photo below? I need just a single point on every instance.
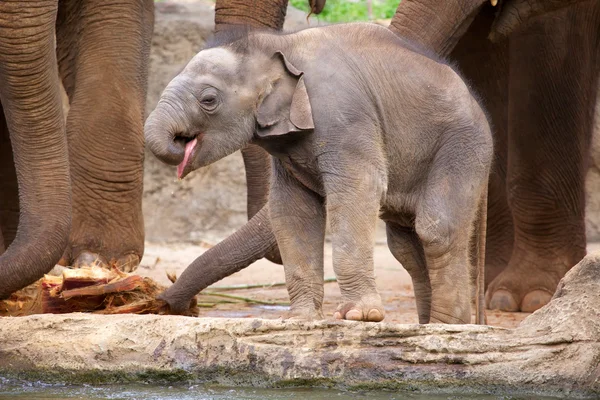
(285, 108)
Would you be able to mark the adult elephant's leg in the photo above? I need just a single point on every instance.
(485, 65)
(552, 92)
(9, 188)
(103, 49)
(265, 14)
(30, 97)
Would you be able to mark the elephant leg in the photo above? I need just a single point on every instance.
(485, 65)
(445, 219)
(552, 88)
(268, 14)
(407, 249)
(103, 50)
(29, 93)
(298, 219)
(9, 189)
(353, 203)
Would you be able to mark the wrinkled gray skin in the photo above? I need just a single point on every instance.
(359, 124)
(537, 79)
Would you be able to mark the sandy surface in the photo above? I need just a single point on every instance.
(393, 282)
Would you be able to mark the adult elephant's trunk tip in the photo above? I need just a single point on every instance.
(34, 253)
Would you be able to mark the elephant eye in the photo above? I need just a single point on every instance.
(209, 100)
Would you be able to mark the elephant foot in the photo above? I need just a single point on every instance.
(527, 284)
(447, 313)
(368, 308)
(304, 314)
(126, 263)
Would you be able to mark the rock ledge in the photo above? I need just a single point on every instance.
(555, 351)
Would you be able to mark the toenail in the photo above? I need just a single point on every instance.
(375, 315)
(503, 300)
(354, 315)
(535, 300)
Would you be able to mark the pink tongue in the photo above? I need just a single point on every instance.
(188, 151)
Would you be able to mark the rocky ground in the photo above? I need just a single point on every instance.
(555, 351)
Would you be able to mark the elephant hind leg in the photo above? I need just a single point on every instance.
(406, 247)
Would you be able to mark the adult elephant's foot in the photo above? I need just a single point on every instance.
(128, 262)
(528, 283)
(368, 308)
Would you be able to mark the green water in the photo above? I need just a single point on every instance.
(37, 391)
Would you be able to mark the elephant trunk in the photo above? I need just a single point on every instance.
(316, 6)
(516, 13)
(32, 105)
(252, 242)
(164, 126)
(433, 24)
(263, 14)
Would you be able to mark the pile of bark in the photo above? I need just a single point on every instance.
(88, 289)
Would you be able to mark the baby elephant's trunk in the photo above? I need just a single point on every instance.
(162, 128)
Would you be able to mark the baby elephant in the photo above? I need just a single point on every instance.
(360, 124)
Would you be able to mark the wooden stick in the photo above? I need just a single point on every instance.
(260, 285)
(247, 299)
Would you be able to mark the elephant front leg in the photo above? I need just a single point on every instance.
(298, 219)
(353, 202)
(552, 91)
(103, 59)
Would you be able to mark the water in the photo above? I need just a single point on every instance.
(201, 392)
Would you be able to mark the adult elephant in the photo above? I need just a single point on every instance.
(537, 76)
(535, 65)
(73, 191)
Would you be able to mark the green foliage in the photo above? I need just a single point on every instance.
(351, 10)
